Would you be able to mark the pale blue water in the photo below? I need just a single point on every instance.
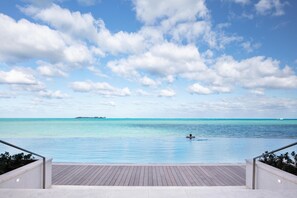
(148, 140)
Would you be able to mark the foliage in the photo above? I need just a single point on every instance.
(10, 162)
(283, 161)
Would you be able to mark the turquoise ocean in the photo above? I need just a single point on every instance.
(123, 140)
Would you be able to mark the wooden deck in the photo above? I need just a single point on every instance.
(149, 175)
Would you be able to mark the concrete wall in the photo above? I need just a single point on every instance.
(269, 177)
(29, 176)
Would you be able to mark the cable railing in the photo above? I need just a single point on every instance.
(254, 161)
(27, 151)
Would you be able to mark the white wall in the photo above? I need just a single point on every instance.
(29, 176)
(269, 177)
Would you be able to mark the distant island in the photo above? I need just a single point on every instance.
(96, 117)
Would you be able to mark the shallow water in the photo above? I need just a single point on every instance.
(148, 140)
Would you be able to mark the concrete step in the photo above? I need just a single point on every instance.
(144, 192)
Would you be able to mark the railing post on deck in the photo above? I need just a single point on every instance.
(44, 173)
(254, 173)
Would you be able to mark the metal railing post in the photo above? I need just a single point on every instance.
(44, 173)
(27, 151)
(254, 173)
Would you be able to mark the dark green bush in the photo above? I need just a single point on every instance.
(10, 162)
(283, 161)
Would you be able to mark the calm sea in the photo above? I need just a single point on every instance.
(148, 140)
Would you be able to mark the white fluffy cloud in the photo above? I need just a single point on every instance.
(162, 60)
(74, 23)
(86, 27)
(199, 89)
(146, 81)
(182, 21)
(192, 31)
(167, 93)
(149, 11)
(34, 41)
(242, 2)
(255, 72)
(274, 7)
(101, 88)
(29, 40)
(120, 42)
(51, 70)
(53, 94)
(17, 76)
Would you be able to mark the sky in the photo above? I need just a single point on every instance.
(148, 58)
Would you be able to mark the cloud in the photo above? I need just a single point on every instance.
(161, 60)
(86, 27)
(273, 7)
(220, 75)
(53, 94)
(146, 81)
(17, 76)
(39, 86)
(248, 106)
(181, 21)
(74, 23)
(199, 89)
(149, 11)
(257, 91)
(101, 88)
(29, 40)
(120, 42)
(51, 70)
(255, 72)
(34, 41)
(97, 72)
(242, 2)
(193, 30)
(250, 47)
(167, 93)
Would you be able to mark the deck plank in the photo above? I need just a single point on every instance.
(97, 173)
(148, 175)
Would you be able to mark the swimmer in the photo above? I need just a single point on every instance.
(190, 136)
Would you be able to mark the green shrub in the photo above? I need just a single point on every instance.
(10, 162)
(283, 161)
